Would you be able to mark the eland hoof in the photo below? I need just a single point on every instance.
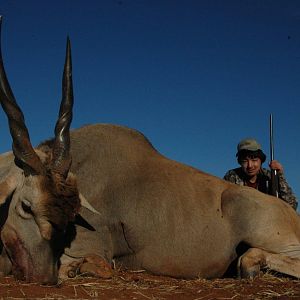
(91, 265)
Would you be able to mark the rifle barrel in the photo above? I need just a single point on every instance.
(271, 138)
(274, 176)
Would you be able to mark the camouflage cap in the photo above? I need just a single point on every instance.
(250, 147)
(248, 144)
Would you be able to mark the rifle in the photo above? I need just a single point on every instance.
(274, 187)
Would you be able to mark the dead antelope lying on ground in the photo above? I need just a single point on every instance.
(144, 211)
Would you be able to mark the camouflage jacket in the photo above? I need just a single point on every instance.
(237, 176)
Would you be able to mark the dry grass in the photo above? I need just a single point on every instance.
(267, 286)
(132, 285)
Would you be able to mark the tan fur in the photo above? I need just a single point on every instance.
(166, 217)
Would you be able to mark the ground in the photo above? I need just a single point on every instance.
(140, 285)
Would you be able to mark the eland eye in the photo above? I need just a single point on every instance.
(24, 209)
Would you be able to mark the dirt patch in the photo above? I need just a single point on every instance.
(129, 285)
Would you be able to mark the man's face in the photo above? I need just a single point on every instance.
(251, 165)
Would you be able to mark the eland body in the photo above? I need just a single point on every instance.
(121, 201)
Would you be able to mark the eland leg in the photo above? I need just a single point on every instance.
(91, 265)
(250, 263)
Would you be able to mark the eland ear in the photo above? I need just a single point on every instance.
(87, 205)
(7, 187)
(80, 221)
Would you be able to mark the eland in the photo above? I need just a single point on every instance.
(102, 194)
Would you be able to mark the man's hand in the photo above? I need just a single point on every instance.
(276, 165)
